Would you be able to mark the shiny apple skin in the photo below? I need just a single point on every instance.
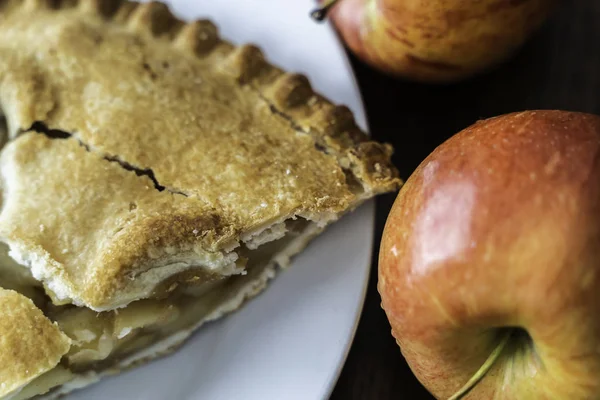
(500, 227)
(438, 41)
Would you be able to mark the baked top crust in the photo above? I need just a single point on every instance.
(29, 344)
(207, 140)
(144, 151)
(97, 227)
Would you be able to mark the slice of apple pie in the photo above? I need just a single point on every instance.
(153, 177)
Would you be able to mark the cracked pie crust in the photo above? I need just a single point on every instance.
(153, 178)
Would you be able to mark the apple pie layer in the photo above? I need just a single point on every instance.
(155, 174)
(103, 343)
(210, 284)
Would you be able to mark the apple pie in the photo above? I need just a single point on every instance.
(154, 177)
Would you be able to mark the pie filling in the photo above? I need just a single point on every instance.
(105, 341)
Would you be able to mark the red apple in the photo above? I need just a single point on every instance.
(497, 233)
(437, 40)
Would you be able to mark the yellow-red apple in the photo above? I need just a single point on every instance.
(437, 40)
(497, 233)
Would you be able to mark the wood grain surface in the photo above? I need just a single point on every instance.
(558, 69)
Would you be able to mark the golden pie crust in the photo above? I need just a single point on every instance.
(30, 344)
(147, 156)
(235, 142)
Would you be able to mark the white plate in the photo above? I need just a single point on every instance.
(291, 341)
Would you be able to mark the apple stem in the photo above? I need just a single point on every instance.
(320, 13)
(487, 365)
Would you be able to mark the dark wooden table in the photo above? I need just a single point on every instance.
(558, 69)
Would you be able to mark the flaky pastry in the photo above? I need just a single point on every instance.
(154, 177)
